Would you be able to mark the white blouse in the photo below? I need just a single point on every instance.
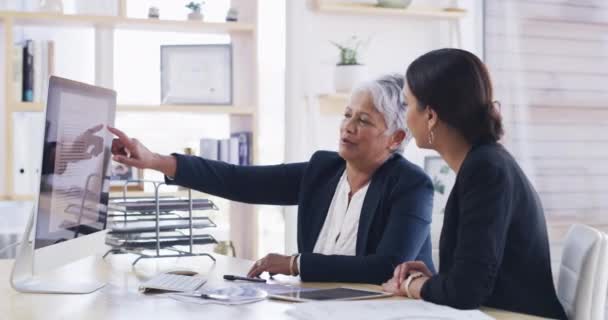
(339, 233)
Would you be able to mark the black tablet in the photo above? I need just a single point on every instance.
(306, 294)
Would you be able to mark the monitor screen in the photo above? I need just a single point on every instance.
(74, 184)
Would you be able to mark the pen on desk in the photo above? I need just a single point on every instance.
(233, 278)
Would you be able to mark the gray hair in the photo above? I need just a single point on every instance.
(387, 96)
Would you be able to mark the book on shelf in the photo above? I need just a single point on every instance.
(244, 140)
(209, 149)
(28, 72)
(33, 64)
(234, 150)
(18, 72)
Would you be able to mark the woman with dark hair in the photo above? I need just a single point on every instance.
(494, 249)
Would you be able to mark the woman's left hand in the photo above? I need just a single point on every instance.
(391, 286)
(394, 285)
(272, 263)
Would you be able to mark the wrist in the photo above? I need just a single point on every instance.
(294, 270)
(416, 287)
(165, 164)
(408, 287)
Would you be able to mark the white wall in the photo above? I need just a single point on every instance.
(395, 42)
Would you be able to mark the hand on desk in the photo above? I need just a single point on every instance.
(273, 264)
(395, 284)
(133, 153)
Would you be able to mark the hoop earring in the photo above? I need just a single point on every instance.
(431, 137)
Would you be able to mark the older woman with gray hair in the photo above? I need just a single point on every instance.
(361, 210)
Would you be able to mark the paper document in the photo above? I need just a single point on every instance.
(276, 288)
(225, 296)
(382, 310)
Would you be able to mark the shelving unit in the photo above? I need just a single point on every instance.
(328, 6)
(242, 114)
(332, 104)
(200, 109)
(79, 21)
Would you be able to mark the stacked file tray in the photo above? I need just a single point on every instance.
(158, 227)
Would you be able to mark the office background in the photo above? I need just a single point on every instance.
(548, 59)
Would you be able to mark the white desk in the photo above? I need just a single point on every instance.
(120, 298)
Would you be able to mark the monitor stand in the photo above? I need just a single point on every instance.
(23, 279)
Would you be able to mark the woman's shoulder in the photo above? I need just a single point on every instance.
(325, 164)
(405, 172)
(403, 166)
(487, 155)
(326, 156)
(489, 164)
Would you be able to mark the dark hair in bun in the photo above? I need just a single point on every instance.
(457, 85)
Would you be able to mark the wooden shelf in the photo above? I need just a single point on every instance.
(65, 20)
(28, 197)
(202, 109)
(328, 6)
(27, 107)
(333, 104)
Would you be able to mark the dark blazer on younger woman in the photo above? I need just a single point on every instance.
(494, 249)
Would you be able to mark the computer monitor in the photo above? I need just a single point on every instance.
(70, 213)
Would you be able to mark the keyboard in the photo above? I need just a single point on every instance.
(173, 282)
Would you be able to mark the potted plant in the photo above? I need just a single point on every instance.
(397, 4)
(51, 6)
(196, 11)
(348, 70)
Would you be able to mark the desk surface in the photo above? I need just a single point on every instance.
(120, 298)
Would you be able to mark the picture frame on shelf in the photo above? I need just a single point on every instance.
(120, 173)
(443, 179)
(197, 74)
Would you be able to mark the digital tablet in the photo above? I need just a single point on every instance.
(333, 294)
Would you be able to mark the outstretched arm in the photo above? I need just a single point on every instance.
(279, 185)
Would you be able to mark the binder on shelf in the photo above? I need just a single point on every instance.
(235, 150)
(244, 147)
(37, 65)
(209, 149)
(224, 150)
(28, 132)
(18, 72)
(28, 72)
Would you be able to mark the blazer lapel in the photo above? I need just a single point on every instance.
(370, 206)
(326, 194)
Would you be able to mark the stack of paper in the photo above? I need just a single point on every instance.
(381, 310)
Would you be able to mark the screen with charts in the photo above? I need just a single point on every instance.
(74, 184)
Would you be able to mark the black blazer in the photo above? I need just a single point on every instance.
(395, 220)
(494, 249)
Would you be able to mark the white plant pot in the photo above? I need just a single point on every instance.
(195, 15)
(55, 6)
(347, 77)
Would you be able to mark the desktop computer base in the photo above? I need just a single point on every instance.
(43, 286)
(24, 280)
